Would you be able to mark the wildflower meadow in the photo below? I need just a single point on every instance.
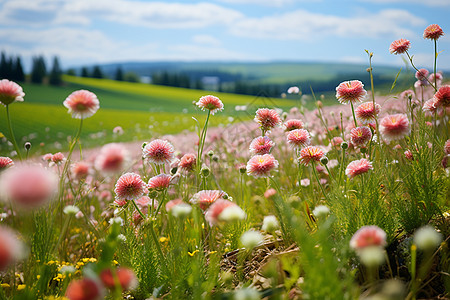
(349, 201)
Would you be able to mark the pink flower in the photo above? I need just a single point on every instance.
(125, 277)
(261, 145)
(433, 32)
(422, 74)
(447, 147)
(159, 182)
(360, 136)
(368, 236)
(394, 127)
(438, 78)
(336, 142)
(10, 92)
(408, 154)
(80, 170)
(159, 152)
(293, 90)
(28, 186)
(84, 289)
(11, 249)
(358, 167)
(172, 203)
(112, 158)
(82, 104)
(267, 118)
(298, 138)
(399, 46)
(211, 103)
(407, 94)
(351, 91)
(187, 162)
(58, 158)
(311, 153)
(118, 130)
(206, 197)
(5, 162)
(223, 211)
(47, 157)
(292, 124)
(129, 187)
(442, 96)
(270, 193)
(261, 165)
(430, 105)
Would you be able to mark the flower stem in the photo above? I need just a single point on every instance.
(318, 181)
(353, 113)
(201, 144)
(13, 139)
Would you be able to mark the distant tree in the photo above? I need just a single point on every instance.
(55, 77)
(97, 72)
(84, 72)
(119, 74)
(9, 68)
(198, 84)
(38, 70)
(131, 77)
(71, 72)
(3, 66)
(18, 70)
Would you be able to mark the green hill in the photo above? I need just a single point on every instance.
(144, 111)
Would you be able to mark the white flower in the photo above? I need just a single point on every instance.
(231, 214)
(122, 238)
(71, 210)
(321, 211)
(270, 224)
(67, 270)
(247, 294)
(181, 210)
(427, 238)
(117, 220)
(371, 256)
(250, 239)
(305, 182)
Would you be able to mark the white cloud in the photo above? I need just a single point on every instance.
(206, 39)
(433, 3)
(136, 13)
(304, 25)
(276, 3)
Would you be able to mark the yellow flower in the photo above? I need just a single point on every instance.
(115, 262)
(192, 253)
(21, 287)
(5, 285)
(163, 239)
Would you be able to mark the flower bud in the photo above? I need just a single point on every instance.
(27, 146)
(205, 171)
(344, 145)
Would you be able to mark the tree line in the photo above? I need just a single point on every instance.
(11, 68)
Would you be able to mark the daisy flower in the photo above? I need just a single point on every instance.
(211, 103)
(261, 165)
(351, 91)
(82, 104)
(358, 167)
(159, 152)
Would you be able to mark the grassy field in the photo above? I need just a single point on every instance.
(143, 111)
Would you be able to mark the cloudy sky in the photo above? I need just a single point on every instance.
(99, 31)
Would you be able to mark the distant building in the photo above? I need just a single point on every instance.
(146, 79)
(210, 83)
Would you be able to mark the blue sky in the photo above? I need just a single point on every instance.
(99, 31)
